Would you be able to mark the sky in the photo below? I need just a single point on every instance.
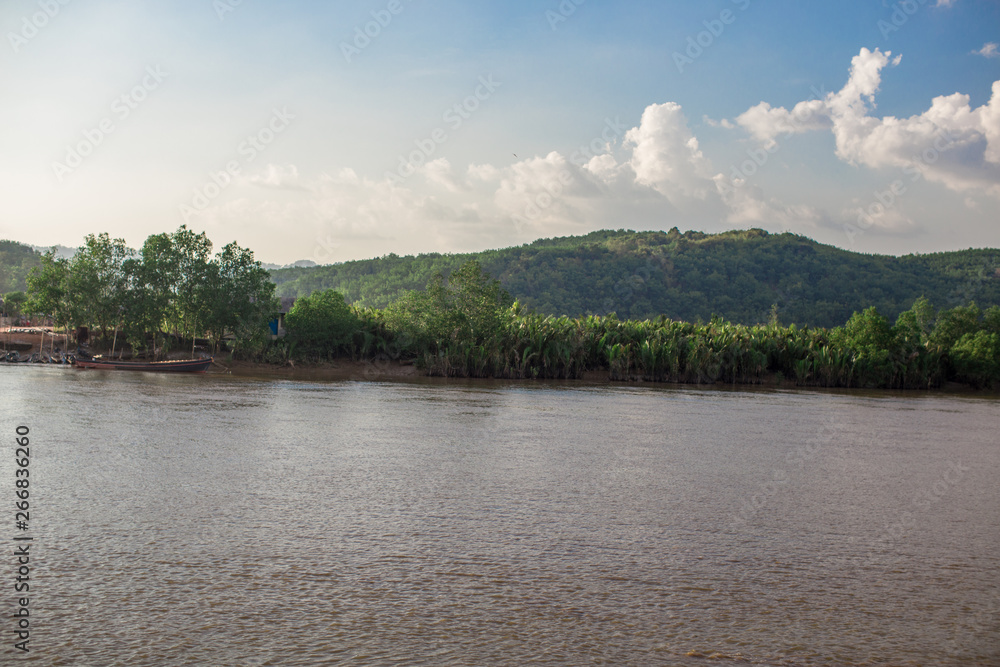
(332, 131)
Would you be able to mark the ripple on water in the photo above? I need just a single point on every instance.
(196, 521)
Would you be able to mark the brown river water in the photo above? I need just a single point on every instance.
(213, 520)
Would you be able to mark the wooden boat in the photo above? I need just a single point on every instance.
(178, 366)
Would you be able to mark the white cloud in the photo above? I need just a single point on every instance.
(989, 50)
(866, 217)
(438, 172)
(657, 176)
(747, 204)
(666, 155)
(950, 143)
(483, 172)
(281, 177)
(765, 122)
(538, 192)
(605, 168)
(724, 123)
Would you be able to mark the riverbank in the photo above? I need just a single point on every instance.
(387, 371)
(349, 369)
(341, 369)
(378, 371)
(28, 340)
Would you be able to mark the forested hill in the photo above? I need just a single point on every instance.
(16, 260)
(738, 275)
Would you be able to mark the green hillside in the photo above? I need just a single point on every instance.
(738, 275)
(16, 259)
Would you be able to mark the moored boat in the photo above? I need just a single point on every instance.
(176, 366)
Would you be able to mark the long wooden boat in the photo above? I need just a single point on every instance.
(178, 366)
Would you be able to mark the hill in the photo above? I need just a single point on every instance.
(16, 259)
(738, 275)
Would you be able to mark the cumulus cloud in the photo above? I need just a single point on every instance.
(657, 172)
(951, 143)
(765, 123)
(666, 155)
(748, 204)
(656, 175)
(438, 172)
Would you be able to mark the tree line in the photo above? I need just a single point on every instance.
(467, 325)
(171, 289)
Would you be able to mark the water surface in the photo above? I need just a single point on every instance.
(233, 521)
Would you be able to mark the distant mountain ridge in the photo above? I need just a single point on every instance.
(301, 264)
(739, 275)
(62, 251)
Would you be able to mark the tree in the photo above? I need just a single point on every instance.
(187, 265)
(465, 309)
(869, 330)
(976, 357)
(952, 324)
(479, 299)
(874, 347)
(13, 303)
(322, 324)
(922, 367)
(916, 324)
(240, 297)
(152, 288)
(991, 319)
(424, 318)
(143, 307)
(96, 283)
(48, 289)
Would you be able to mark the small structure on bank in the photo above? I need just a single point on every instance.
(277, 323)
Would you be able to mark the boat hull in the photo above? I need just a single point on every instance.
(179, 366)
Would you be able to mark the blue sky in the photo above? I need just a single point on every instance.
(278, 126)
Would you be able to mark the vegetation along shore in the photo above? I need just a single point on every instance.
(172, 295)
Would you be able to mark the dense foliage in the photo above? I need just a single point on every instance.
(16, 260)
(467, 326)
(465, 323)
(171, 285)
(692, 276)
(322, 324)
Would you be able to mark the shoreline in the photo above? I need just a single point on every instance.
(388, 371)
(361, 371)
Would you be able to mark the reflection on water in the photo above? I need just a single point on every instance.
(214, 520)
